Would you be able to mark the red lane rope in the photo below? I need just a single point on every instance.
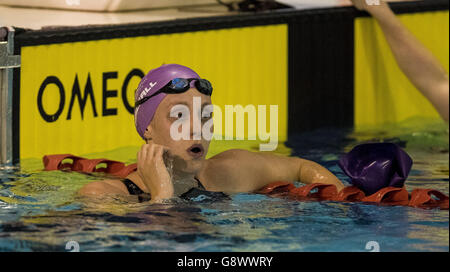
(420, 198)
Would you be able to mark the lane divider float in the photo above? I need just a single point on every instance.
(377, 173)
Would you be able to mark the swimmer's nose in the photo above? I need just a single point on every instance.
(196, 126)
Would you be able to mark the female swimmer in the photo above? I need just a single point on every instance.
(163, 162)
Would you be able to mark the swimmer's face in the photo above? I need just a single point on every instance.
(189, 154)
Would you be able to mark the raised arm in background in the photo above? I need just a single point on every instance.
(417, 62)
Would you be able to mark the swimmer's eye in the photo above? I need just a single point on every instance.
(207, 116)
(177, 116)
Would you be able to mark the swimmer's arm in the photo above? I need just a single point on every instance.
(101, 188)
(245, 171)
(107, 187)
(420, 66)
(311, 172)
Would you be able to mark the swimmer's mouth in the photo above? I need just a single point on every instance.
(196, 151)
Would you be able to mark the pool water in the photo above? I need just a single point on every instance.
(40, 211)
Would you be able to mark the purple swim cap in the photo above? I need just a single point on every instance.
(375, 166)
(150, 84)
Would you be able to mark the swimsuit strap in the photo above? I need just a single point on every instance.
(199, 184)
(202, 195)
(132, 188)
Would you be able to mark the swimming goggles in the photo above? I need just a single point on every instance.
(180, 85)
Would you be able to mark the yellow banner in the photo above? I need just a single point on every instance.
(383, 94)
(78, 97)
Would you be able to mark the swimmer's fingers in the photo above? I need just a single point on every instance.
(159, 151)
(157, 147)
(153, 172)
(359, 4)
(368, 6)
(149, 152)
(142, 154)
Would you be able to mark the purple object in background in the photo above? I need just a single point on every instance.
(372, 167)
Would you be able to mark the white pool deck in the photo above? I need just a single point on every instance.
(37, 18)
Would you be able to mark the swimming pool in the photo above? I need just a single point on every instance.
(39, 210)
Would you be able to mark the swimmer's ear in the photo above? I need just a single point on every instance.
(148, 133)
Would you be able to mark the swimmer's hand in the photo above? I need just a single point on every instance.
(372, 9)
(312, 172)
(153, 171)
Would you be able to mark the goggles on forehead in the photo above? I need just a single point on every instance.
(180, 85)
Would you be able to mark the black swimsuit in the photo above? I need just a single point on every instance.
(195, 194)
(133, 189)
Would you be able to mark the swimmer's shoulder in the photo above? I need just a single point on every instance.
(231, 155)
(220, 170)
(226, 159)
(104, 187)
